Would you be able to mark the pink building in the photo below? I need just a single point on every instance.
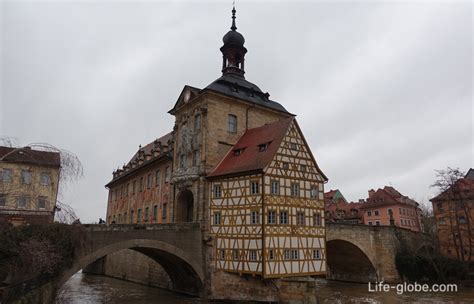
(387, 207)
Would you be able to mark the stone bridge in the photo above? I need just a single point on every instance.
(362, 253)
(354, 252)
(176, 247)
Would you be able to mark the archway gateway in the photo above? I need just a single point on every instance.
(185, 206)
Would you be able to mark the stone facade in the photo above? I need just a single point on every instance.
(29, 181)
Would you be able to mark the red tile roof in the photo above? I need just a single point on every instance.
(30, 156)
(251, 158)
(387, 196)
(461, 189)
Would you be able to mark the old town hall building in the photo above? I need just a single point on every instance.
(238, 163)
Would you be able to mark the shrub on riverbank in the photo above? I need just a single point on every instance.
(430, 268)
(37, 253)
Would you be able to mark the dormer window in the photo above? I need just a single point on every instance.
(262, 147)
(237, 152)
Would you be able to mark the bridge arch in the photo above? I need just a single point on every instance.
(347, 261)
(184, 270)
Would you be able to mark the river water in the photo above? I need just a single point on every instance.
(94, 289)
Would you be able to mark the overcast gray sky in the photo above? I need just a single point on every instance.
(382, 91)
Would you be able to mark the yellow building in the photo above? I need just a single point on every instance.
(29, 182)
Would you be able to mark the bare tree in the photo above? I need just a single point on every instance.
(449, 183)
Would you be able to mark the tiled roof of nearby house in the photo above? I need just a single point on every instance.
(387, 196)
(329, 195)
(145, 155)
(249, 157)
(462, 188)
(30, 156)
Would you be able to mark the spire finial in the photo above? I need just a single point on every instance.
(233, 27)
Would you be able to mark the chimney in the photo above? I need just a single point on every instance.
(371, 192)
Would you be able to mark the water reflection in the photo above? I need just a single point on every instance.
(93, 289)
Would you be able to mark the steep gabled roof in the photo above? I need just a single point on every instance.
(462, 189)
(187, 94)
(386, 197)
(30, 156)
(250, 157)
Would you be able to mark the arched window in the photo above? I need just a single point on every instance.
(232, 123)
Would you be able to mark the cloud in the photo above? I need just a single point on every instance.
(383, 91)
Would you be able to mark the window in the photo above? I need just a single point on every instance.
(370, 223)
(146, 213)
(121, 191)
(6, 175)
(313, 192)
(196, 158)
(254, 187)
(22, 202)
(131, 216)
(303, 168)
(254, 217)
(125, 218)
(317, 219)
(167, 174)
(149, 181)
(232, 123)
(389, 211)
(283, 217)
(26, 177)
(462, 219)
(139, 216)
(293, 146)
(41, 203)
(300, 219)
(271, 254)
(286, 254)
(295, 254)
(369, 213)
(197, 122)
(286, 166)
(376, 212)
(377, 223)
(119, 218)
(237, 152)
(217, 191)
(45, 179)
(155, 213)
(272, 217)
(134, 187)
(157, 177)
(217, 218)
(3, 200)
(275, 187)
(221, 254)
(316, 254)
(182, 160)
(235, 255)
(141, 184)
(262, 147)
(441, 221)
(164, 211)
(295, 189)
(126, 189)
(252, 255)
